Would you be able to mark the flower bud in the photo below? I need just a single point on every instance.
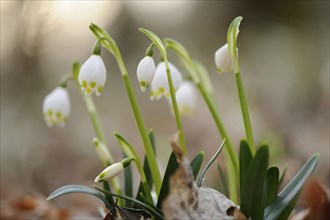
(223, 59)
(102, 152)
(110, 172)
(56, 107)
(186, 98)
(113, 170)
(159, 85)
(145, 72)
(92, 75)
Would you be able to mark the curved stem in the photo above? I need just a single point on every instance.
(112, 47)
(175, 108)
(159, 44)
(230, 154)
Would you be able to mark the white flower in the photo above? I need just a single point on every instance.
(92, 75)
(223, 59)
(56, 107)
(110, 172)
(186, 98)
(159, 85)
(145, 72)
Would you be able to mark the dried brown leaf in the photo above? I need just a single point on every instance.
(187, 201)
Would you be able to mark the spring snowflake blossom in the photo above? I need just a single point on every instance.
(146, 72)
(223, 59)
(159, 85)
(186, 97)
(92, 75)
(56, 107)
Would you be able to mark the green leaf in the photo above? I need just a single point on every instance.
(172, 166)
(272, 180)
(154, 38)
(146, 167)
(157, 213)
(224, 186)
(245, 158)
(130, 152)
(283, 175)
(287, 211)
(201, 176)
(289, 193)
(128, 177)
(253, 198)
(232, 39)
(78, 189)
(196, 163)
(109, 198)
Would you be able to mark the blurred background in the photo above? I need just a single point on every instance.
(284, 58)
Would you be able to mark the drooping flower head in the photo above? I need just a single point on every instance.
(186, 98)
(92, 75)
(56, 107)
(223, 59)
(159, 85)
(145, 72)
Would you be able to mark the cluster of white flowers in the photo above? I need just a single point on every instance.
(92, 77)
(148, 74)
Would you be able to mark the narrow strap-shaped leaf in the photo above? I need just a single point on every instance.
(245, 158)
(288, 194)
(253, 198)
(283, 175)
(172, 166)
(272, 181)
(287, 211)
(146, 168)
(196, 163)
(157, 213)
(130, 152)
(223, 184)
(201, 176)
(78, 189)
(128, 176)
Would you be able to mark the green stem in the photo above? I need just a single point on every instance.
(230, 154)
(112, 47)
(99, 133)
(245, 112)
(159, 44)
(144, 136)
(175, 108)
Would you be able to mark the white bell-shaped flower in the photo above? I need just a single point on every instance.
(146, 72)
(92, 75)
(110, 172)
(159, 85)
(223, 59)
(56, 107)
(186, 98)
